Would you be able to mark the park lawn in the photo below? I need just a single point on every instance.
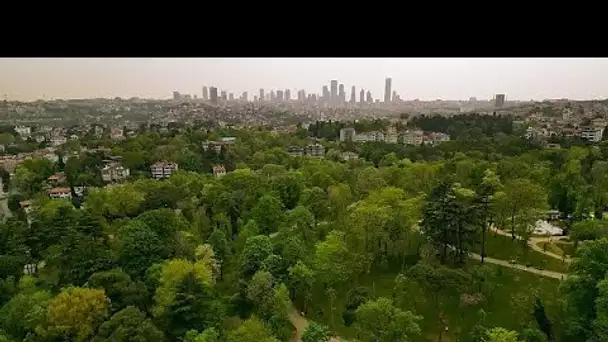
(566, 247)
(550, 247)
(504, 248)
(509, 305)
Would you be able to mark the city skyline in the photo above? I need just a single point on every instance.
(411, 78)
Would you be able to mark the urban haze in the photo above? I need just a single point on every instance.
(412, 78)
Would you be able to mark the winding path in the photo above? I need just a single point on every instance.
(534, 241)
(300, 323)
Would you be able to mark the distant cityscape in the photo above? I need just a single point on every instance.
(332, 95)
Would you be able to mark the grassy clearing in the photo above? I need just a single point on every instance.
(566, 247)
(509, 304)
(502, 247)
(550, 247)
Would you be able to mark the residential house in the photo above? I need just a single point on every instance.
(348, 156)
(58, 140)
(295, 151)
(117, 133)
(114, 172)
(437, 137)
(163, 169)
(24, 131)
(56, 178)
(60, 192)
(315, 151)
(219, 171)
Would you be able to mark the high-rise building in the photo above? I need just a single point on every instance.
(362, 96)
(387, 89)
(353, 95)
(394, 96)
(231, 97)
(205, 94)
(279, 95)
(255, 98)
(176, 96)
(262, 97)
(370, 99)
(341, 94)
(326, 94)
(245, 96)
(313, 98)
(499, 100)
(287, 95)
(333, 96)
(213, 94)
(224, 96)
(272, 96)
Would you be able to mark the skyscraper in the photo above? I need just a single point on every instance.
(272, 96)
(279, 95)
(387, 89)
(370, 99)
(353, 95)
(341, 95)
(176, 96)
(287, 95)
(245, 96)
(231, 97)
(499, 100)
(205, 94)
(262, 97)
(303, 94)
(224, 97)
(255, 98)
(362, 96)
(213, 94)
(394, 96)
(333, 96)
(326, 94)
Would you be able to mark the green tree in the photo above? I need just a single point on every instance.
(501, 335)
(221, 248)
(252, 330)
(76, 313)
(194, 307)
(378, 320)
(316, 333)
(120, 289)
(268, 213)
(209, 335)
(257, 249)
(316, 200)
(332, 260)
(128, 325)
(139, 247)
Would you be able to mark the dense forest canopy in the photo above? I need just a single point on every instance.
(405, 243)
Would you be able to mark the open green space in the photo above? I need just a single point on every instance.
(508, 304)
(504, 248)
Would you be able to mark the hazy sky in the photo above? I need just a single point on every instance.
(422, 78)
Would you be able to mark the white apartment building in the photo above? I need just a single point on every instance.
(58, 140)
(114, 172)
(371, 136)
(163, 169)
(413, 138)
(315, 150)
(592, 134)
(24, 131)
(348, 134)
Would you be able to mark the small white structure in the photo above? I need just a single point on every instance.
(543, 227)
